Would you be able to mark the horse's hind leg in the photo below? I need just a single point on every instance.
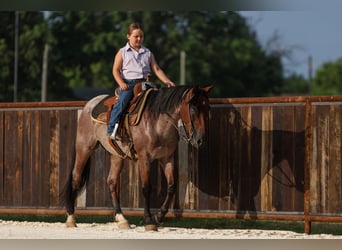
(77, 180)
(113, 181)
(78, 177)
(169, 171)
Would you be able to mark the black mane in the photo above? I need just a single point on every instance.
(165, 100)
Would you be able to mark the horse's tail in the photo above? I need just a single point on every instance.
(68, 195)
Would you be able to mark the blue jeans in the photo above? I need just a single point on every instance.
(124, 98)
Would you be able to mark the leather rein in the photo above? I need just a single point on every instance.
(186, 136)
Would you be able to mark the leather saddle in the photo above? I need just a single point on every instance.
(132, 113)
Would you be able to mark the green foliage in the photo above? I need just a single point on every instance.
(328, 79)
(295, 85)
(220, 50)
(32, 30)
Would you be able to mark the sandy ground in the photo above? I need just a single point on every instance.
(42, 230)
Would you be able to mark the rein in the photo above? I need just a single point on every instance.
(186, 136)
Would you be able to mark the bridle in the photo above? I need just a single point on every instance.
(185, 119)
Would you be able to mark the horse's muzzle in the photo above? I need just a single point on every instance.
(197, 141)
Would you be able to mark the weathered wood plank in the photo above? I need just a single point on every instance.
(13, 157)
(334, 171)
(55, 146)
(266, 159)
(314, 171)
(27, 158)
(299, 157)
(2, 157)
(249, 197)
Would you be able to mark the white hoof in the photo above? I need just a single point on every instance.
(151, 227)
(121, 221)
(71, 222)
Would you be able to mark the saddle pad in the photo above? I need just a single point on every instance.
(133, 111)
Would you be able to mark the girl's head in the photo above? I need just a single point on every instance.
(135, 35)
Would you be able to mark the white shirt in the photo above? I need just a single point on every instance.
(136, 64)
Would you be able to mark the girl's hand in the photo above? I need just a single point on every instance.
(170, 84)
(123, 86)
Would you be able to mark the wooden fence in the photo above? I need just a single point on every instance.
(264, 158)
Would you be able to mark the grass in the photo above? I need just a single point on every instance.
(298, 227)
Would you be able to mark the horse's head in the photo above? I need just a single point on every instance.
(194, 110)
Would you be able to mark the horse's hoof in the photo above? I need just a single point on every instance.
(123, 225)
(151, 227)
(70, 222)
(122, 222)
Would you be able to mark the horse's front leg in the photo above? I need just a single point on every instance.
(144, 168)
(169, 172)
(113, 181)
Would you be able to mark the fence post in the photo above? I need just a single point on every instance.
(308, 152)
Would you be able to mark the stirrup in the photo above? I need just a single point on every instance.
(112, 136)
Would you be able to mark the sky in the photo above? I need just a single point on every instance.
(315, 33)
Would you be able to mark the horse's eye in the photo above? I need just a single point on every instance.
(193, 110)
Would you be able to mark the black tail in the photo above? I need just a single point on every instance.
(68, 195)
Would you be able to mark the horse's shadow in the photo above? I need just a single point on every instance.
(253, 162)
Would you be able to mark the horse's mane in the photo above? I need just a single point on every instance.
(165, 100)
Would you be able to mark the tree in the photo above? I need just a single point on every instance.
(221, 49)
(32, 33)
(295, 84)
(82, 50)
(6, 50)
(328, 79)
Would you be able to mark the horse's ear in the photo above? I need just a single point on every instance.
(208, 88)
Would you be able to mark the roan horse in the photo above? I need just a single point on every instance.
(170, 113)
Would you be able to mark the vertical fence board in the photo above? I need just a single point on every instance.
(2, 160)
(35, 166)
(314, 171)
(266, 160)
(48, 137)
(27, 158)
(280, 165)
(222, 165)
(253, 174)
(334, 172)
(55, 153)
(13, 158)
(299, 157)
(322, 141)
(245, 173)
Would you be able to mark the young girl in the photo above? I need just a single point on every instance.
(132, 64)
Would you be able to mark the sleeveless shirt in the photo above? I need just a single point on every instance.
(136, 64)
